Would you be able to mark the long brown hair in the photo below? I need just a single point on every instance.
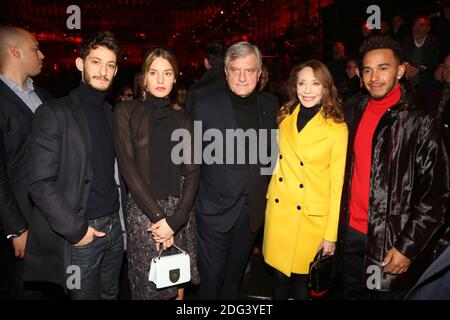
(149, 58)
(331, 105)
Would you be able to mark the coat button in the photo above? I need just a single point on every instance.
(301, 163)
(87, 181)
(281, 157)
(80, 209)
(147, 182)
(276, 200)
(280, 179)
(301, 185)
(299, 208)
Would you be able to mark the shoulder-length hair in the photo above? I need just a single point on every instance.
(331, 105)
(148, 60)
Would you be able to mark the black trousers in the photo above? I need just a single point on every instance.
(12, 285)
(295, 286)
(354, 253)
(222, 258)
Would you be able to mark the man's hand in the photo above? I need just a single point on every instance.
(89, 236)
(395, 262)
(19, 244)
(161, 230)
(411, 71)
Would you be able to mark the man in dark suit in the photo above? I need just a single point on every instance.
(231, 198)
(20, 59)
(214, 75)
(75, 229)
(421, 56)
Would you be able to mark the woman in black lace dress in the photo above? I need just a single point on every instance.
(160, 204)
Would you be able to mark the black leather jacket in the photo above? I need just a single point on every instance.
(409, 189)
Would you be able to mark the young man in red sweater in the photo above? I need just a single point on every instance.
(397, 187)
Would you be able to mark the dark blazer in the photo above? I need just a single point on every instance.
(15, 127)
(59, 186)
(214, 77)
(222, 187)
(430, 56)
(434, 284)
(430, 59)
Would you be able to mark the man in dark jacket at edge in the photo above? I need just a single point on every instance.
(397, 183)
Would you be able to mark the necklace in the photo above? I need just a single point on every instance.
(418, 45)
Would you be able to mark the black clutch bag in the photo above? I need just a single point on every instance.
(320, 275)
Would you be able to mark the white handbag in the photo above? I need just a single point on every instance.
(170, 270)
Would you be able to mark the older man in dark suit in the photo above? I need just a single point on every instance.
(231, 197)
(20, 59)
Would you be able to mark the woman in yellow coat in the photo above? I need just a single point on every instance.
(304, 194)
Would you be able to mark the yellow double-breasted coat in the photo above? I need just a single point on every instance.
(304, 194)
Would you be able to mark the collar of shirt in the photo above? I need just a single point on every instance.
(17, 88)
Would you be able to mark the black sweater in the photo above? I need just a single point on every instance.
(103, 195)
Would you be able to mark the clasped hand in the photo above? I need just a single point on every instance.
(162, 234)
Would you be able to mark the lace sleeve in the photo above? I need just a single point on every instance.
(191, 175)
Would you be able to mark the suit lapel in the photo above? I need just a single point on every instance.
(310, 134)
(262, 113)
(226, 111)
(41, 95)
(15, 100)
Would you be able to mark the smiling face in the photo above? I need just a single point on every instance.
(98, 68)
(309, 90)
(160, 78)
(243, 74)
(381, 72)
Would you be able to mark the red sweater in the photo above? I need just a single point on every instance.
(360, 189)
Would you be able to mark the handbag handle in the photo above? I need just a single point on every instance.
(161, 251)
(319, 254)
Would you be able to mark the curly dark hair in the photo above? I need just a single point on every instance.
(331, 105)
(380, 42)
(100, 39)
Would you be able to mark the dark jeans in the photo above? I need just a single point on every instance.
(354, 253)
(100, 261)
(282, 285)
